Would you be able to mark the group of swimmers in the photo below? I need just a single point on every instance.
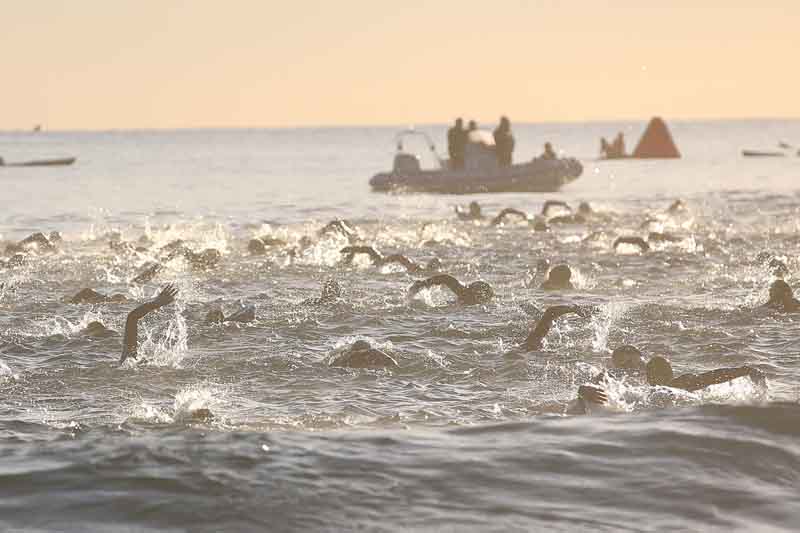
(627, 360)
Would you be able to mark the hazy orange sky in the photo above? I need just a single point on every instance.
(100, 64)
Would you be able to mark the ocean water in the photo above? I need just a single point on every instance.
(469, 433)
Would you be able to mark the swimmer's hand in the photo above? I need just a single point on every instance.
(166, 296)
(130, 343)
(592, 394)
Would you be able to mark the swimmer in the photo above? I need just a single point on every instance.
(340, 227)
(575, 218)
(635, 241)
(472, 213)
(655, 236)
(259, 245)
(539, 332)
(36, 240)
(380, 260)
(97, 330)
(477, 292)
(542, 266)
(90, 296)
(659, 372)
(625, 360)
(331, 292)
(782, 298)
(677, 206)
(130, 343)
(558, 279)
(581, 217)
(496, 221)
(204, 260)
(14, 261)
(552, 204)
(244, 315)
(362, 355)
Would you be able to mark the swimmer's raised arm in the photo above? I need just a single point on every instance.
(351, 251)
(339, 226)
(37, 238)
(508, 211)
(539, 332)
(400, 259)
(549, 204)
(636, 241)
(130, 342)
(445, 280)
(694, 382)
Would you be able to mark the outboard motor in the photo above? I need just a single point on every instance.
(406, 164)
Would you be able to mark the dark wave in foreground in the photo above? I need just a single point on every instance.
(697, 469)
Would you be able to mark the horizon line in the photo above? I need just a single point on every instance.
(377, 125)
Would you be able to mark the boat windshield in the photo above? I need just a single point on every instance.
(420, 144)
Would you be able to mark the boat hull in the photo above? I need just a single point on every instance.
(44, 163)
(539, 175)
(759, 153)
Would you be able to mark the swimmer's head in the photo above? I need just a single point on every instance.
(256, 247)
(779, 291)
(540, 225)
(360, 346)
(659, 371)
(480, 292)
(97, 329)
(560, 275)
(204, 414)
(331, 289)
(215, 317)
(474, 209)
(627, 357)
(585, 209)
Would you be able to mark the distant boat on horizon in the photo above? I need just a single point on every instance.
(63, 161)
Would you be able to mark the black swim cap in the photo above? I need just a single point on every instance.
(627, 356)
(659, 371)
(482, 292)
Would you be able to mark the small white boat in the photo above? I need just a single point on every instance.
(481, 172)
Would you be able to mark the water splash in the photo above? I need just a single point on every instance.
(602, 322)
(6, 374)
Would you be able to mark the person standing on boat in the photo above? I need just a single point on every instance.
(504, 142)
(548, 153)
(456, 144)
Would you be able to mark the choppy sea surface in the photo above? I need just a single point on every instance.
(469, 433)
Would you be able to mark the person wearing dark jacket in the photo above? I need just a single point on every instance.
(504, 142)
(456, 144)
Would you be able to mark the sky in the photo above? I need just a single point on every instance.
(119, 64)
